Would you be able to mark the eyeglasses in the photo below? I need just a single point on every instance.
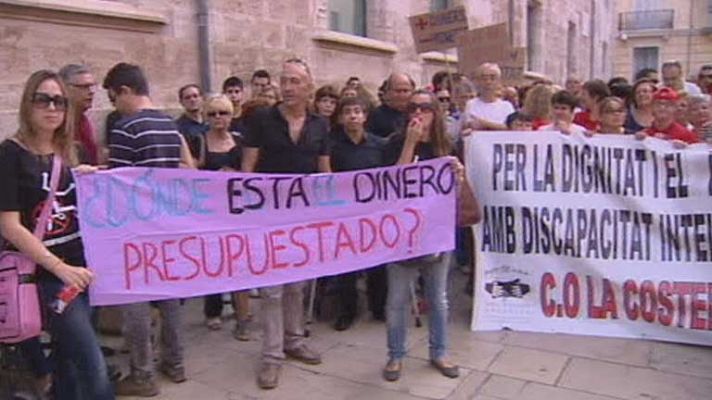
(413, 107)
(444, 99)
(222, 113)
(43, 101)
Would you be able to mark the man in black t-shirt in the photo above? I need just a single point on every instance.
(234, 89)
(286, 138)
(390, 116)
(144, 137)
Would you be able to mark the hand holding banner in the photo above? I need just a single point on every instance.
(153, 234)
(604, 235)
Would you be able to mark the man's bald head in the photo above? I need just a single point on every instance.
(399, 88)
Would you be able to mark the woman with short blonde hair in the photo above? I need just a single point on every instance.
(537, 103)
(221, 150)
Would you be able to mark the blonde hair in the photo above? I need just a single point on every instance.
(488, 66)
(537, 102)
(607, 103)
(219, 100)
(63, 138)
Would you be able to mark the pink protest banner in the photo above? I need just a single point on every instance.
(153, 234)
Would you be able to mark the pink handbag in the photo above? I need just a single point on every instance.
(20, 312)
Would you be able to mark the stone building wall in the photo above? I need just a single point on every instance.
(162, 36)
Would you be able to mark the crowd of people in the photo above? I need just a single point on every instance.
(288, 126)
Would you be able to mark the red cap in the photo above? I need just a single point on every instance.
(666, 93)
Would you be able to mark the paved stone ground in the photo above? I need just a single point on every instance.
(494, 366)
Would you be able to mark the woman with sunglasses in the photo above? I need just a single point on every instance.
(26, 159)
(612, 116)
(221, 150)
(424, 138)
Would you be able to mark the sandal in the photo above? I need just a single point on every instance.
(392, 370)
(446, 368)
(214, 324)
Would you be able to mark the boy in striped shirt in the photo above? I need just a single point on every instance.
(144, 137)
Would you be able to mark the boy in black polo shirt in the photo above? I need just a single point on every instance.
(353, 149)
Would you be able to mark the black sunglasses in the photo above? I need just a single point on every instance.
(43, 101)
(221, 113)
(444, 99)
(413, 107)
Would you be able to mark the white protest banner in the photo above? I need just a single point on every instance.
(438, 30)
(604, 236)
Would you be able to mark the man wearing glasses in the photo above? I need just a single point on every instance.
(81, 88)
(487, 112)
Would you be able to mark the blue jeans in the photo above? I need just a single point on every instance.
(434, 270)
(33, 353)
(80, 370)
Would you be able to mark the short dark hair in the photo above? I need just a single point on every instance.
(566, 98)
(188, 86)
(232, 82)
(597, 89)
(353, 101)
(261, 73)
(439, 79)
(617, 80)
(518, 116)
(622, 91)
(644, 72)
(129, 75)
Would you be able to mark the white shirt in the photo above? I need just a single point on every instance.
(575, 128)
(692, 89)
(496, 111)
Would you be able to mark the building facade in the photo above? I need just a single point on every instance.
(651, 32)
(205, 41)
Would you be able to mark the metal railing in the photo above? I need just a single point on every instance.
(650, 19)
